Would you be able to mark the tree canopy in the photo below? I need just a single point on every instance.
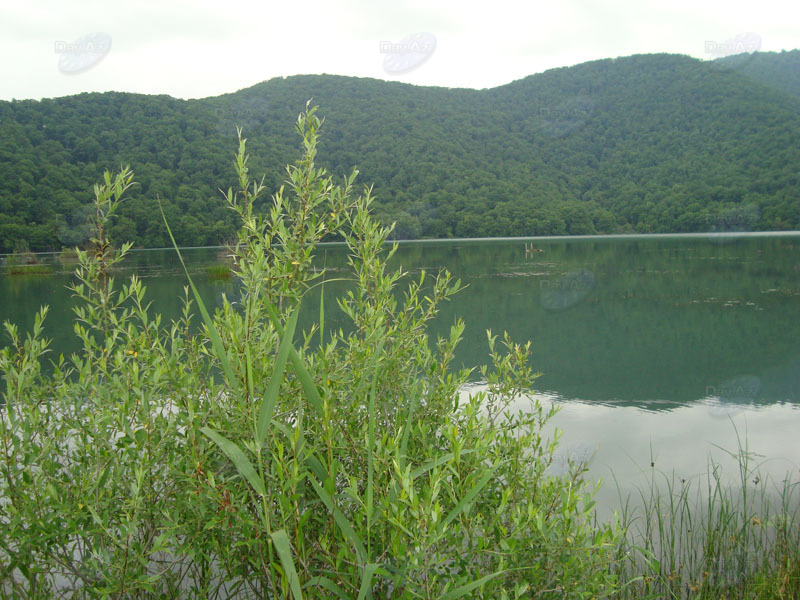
(646, 143)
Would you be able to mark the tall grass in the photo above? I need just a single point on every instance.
(705, 538)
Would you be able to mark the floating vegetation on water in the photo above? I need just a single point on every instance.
(24, 262)
(68, 256)
(219, 272)
(30, 270)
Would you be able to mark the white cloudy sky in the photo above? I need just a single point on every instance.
(198, 48)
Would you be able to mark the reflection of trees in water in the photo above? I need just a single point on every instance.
(665, 318)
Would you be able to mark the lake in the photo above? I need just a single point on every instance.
(658, 349)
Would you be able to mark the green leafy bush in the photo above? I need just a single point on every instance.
(253, 460)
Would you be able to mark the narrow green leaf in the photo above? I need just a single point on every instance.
(650, 559)
(329, 585)
(312, 393)
(316, 466)
(427, 466)
(322, 314)
(238, 458)
(216, 341)
(249, 374)
(459, 592)
(103, 477)
(248, 379)
(284, 550)
(341, 520)
(366, 581)
(274, 386)
(470, 495)
(409, 420)
(371, 434)
(439, 461)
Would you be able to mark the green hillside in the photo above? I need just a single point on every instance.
(780, 70)
(647, 143)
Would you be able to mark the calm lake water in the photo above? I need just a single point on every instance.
(657, 348)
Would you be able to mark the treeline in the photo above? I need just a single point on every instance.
(647, 143)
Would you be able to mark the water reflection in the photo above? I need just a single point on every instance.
(629, 449)
(652, 322)
(567, 290)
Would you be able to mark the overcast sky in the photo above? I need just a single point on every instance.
(199, 48)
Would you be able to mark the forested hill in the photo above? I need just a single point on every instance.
(647, 143)
(778, 70)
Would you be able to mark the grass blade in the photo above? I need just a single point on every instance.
(408, 423)
(274, 386)
(435, 463)
(312, 393)
(341, 520)
(463, 590)
(238, 459)
(371, 433)
(329, 585)
(248, 376)
(284, 550)
(322, 314)
(316, 467)
(366, 581)
(470, 495)
(216, 341)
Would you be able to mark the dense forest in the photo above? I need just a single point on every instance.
(646, 143)
(778, 70)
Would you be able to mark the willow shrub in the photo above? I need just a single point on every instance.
(245, 458)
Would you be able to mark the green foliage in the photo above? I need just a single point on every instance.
(219, 272)
(68, 256)
(776, 70)
(243, 461)
(254, 460)
(654, 143)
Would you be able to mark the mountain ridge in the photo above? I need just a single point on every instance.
(646, 143)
